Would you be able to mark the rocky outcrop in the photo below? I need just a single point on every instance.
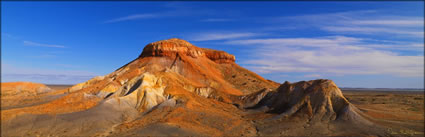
(317, 100)
(170, 48)
(253, 99)
(201, 91)
(219, 56)
(108, 90)
(23, 88)
(142, 93)
(86, 84)
(174, 47)
(18, 94)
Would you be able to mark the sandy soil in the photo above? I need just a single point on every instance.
(401, 111)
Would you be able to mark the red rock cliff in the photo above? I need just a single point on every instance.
(174, 46)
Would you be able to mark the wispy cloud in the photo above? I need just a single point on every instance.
(400, 46)
(171, 9)
(324, 18)
(374, 30)
(133, 17)
(416, 22)
(49, 76)
(313, 76)
(30, 43)
(283, 75)
(310, 42)
(369, 22)
(336, 55)
(222, 36)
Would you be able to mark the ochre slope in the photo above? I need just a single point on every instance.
(18, 94)
(14, 88)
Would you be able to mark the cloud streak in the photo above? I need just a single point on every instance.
(133, 17)
(369, 22)
(222, 36)
(12, 73)
(171, 10)
(30, 43)
(374, 30)
(306, 42)
(336, 55)
(312, 76)
(417, 22)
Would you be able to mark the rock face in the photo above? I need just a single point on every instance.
(174, 47)
(142, 93)
(219, 56)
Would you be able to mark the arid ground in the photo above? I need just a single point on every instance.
(392, 108)
(402, 110)
(59, 87)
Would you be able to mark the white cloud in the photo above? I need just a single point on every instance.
(401, 46)
(310, 42)
(370, 22)
(221, 36)
(331, 55)
(313, 76)
(391, 22)
(283, 75)
(170, 10)
(374, 30)
(132, 17)
(30, 43)
(325, 18)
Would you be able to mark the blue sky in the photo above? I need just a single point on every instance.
(356, 44)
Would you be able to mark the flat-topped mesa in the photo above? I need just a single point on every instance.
(174, 46)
